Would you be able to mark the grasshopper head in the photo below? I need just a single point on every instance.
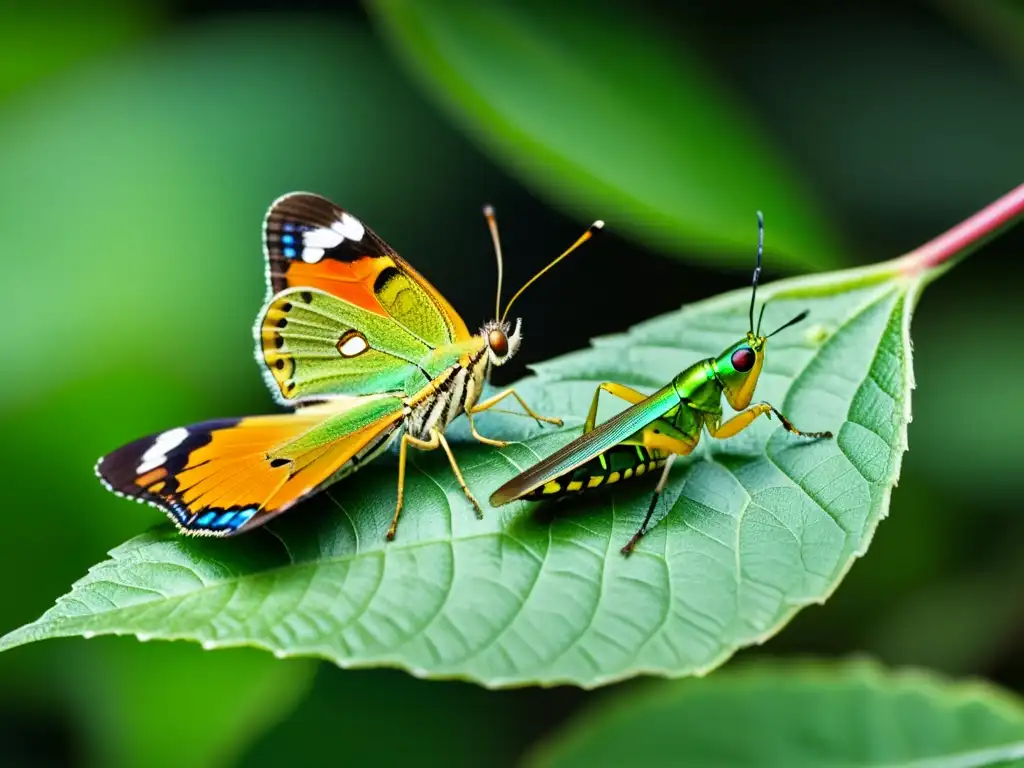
(738, 369)
(739, 366)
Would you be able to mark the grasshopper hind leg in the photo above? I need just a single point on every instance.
(668, 439)
(642, 530)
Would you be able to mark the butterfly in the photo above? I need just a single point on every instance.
(361, 347)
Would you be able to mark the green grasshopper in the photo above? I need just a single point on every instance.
(656, 429)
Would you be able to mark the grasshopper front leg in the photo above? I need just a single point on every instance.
(744, 419)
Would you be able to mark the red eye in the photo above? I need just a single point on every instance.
(743, 359)
(498, 342)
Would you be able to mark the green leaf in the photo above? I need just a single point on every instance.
(798, 714)
(619, 121)
(757, 526)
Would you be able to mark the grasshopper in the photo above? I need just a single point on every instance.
(658, 428)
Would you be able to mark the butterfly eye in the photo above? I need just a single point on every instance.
(352, 343)
(743, 359)
(498, 342)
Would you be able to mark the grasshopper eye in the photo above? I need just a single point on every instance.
(743, 359)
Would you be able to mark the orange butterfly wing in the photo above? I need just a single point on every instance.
(312, 243)
(222, 477)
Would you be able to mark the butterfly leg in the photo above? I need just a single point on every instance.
(744, 419)
(493, 401)
(481, 438)
(423, 445)
(458, 474)
(677, 444)
(436, 441)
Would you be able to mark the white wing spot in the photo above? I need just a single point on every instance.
(350, 228)
(352, 343)
(312, 255)
(322, 238)
(156, 454)
(316, 241)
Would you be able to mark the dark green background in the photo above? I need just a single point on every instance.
(139, 147)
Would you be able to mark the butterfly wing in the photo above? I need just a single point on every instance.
(315, 345)
(222, 477)
(346, 315)
(312, 243)
(588, 445)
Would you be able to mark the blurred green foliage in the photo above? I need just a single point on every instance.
(131, 697)
(617, 117)
(139, 147)
(38, 42)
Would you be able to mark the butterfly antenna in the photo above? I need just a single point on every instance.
(591, 231)
(757, 268)
(492, 224)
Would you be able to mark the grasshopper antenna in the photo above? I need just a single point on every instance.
(492, 225)
(757, 269)
(794, 321)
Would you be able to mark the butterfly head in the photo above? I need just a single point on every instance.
(501, 340)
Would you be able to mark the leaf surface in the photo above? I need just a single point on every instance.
(754, 527)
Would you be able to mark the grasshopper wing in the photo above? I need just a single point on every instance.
(588, 445)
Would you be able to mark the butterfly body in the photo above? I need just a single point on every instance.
(454, 391)
(363, 349)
